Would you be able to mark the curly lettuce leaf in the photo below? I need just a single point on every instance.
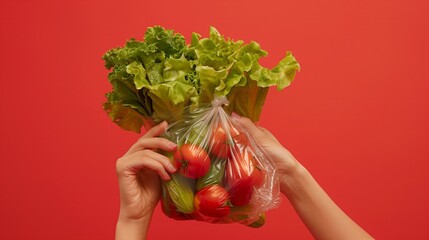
(139, 73)
(166, 41)
(131, 52)
(231, 68)
(169, 90)
(249, 100)
(124, 103)
(281, 75)
(170, 99)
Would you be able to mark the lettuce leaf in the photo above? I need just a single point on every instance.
(125, 117)
(166, 41)
(232, 69)
(281, 75)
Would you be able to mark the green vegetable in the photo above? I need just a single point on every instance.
(258, 223)
(214, 175)
(180, 192)
(156, 79)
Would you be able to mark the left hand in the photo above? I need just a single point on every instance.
(138, 171)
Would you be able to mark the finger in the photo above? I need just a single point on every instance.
(247, 124)
(165, 161)
(154, 156)
(152, 143)
(141, 160)
(157, 167)
(156, 131)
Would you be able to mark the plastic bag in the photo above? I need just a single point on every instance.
(223, 175)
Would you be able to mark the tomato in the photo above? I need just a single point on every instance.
(212, 201)
(242, 175)
(234, 131)
(241, 192)
(192, 161)
(257, 176)
(239, 138)
(219, 145)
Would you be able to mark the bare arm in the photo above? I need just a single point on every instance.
(132, 229)
(320, 214)
(323, 218)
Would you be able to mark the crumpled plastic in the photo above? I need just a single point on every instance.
(223, 176)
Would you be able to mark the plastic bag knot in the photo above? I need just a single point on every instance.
(219, 101)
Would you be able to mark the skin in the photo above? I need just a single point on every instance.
(140, 169)
(139, 172)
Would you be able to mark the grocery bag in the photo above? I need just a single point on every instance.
(223, 175)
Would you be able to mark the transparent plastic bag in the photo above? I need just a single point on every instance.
(223, 175)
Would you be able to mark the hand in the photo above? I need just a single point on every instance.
(284, 160)
(138, 174)
(320, 214)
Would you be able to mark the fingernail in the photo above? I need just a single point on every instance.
(172, 145)
(164, 123)
(235, 115)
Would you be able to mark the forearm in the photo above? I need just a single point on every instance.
(319, 213)
(128, 229)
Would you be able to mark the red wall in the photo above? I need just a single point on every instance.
(357, 115)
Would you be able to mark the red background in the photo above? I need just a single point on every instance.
(357, 115)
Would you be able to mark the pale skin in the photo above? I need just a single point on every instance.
(141, 169)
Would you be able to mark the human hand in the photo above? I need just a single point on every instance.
(285, 162)
(138, 174)
(302, 190)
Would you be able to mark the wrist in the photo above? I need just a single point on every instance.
(290, 180)
(126, 214)
(287, 165)
(132, 228)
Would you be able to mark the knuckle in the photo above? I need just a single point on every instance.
(159, 168)
(159, 157)
(150, 131)
(119, 165)
(165, 160)
(141, 141)
(146, 152)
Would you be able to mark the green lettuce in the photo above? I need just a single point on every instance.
(158, 78)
